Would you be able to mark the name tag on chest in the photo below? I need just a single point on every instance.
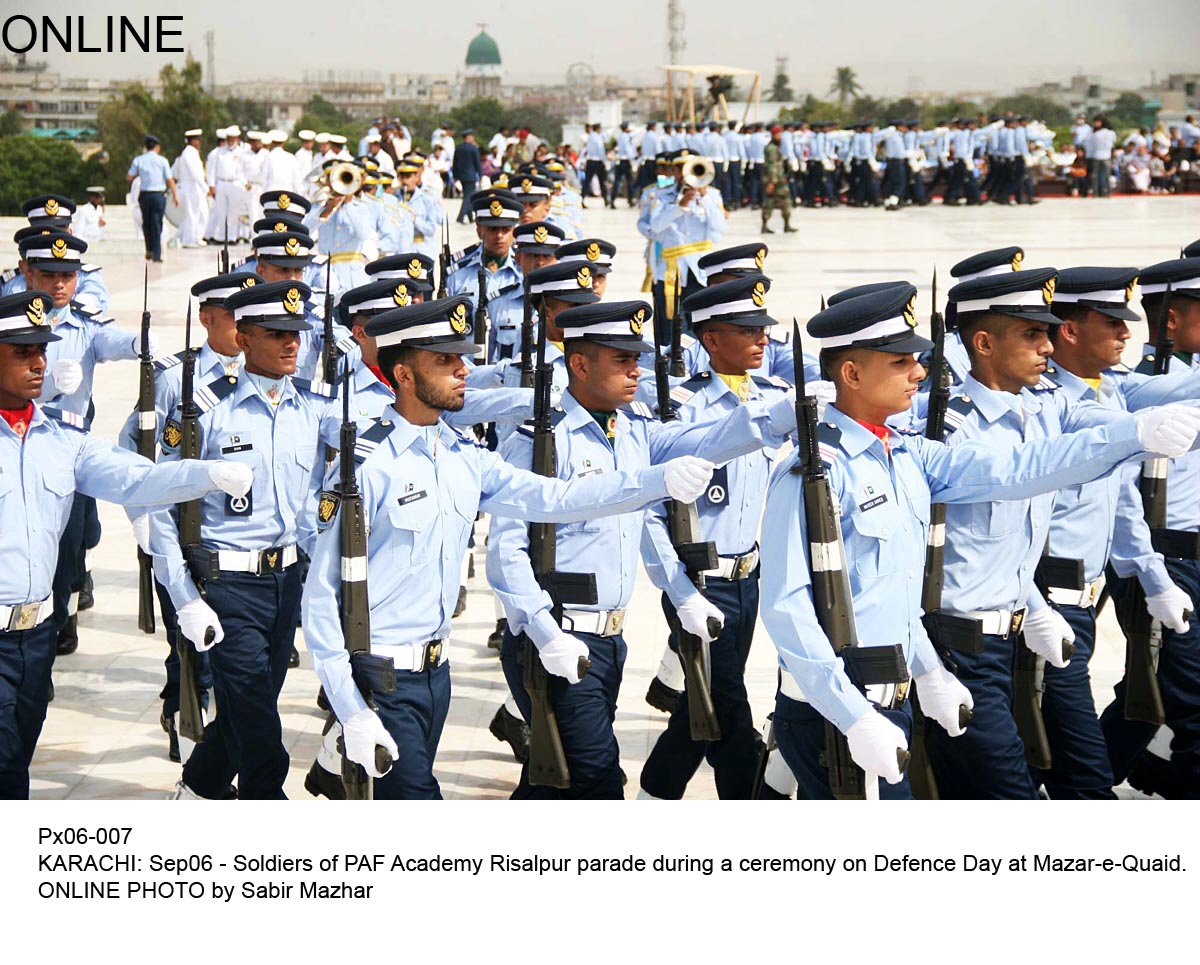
(411, 497)
(236, 444)
(871, 499)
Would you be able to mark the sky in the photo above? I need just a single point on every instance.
(895, 46)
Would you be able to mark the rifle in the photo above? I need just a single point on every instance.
(832, 599)
(146, 432)
(677, 369)
(946, 630)
(372, 673)
(191, 717)
(444, 259)
(223, 254)
(658, 299)
(1143, 634)
(329, 353)
(547, 761)
(527, 339)
(683, 524)
(481, 313)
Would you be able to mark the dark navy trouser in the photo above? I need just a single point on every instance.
(414, 714)
(585, 713)
(258, 615)
(26, 657)
(169, 695)
(1179, 681)
(988, 761)
(675, 756)
(1079, 767)
(800, 734)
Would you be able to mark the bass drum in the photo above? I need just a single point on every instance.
(174, 213)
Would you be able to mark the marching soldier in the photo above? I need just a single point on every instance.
(53, 211)
(882, 483)
(422, 485)
(216, 357)
(596, 254)
(537, 244)
(238, 592)
(424, 204)
(48, 457)
(597, 431)
(731, 322)
(497, 213)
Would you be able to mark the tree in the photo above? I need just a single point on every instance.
(11, 123)
(321, 115)
(845, 84)
(1042, 108)
(866, 109)
(1129, 111)
(781, 87)
(38, 165)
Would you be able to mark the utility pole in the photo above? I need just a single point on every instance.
(210, 42)
(675, 37)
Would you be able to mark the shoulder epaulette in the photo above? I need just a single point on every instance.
(315, 309)
(639, 409)
(345, 344)
(89, 268)
(957, 410)
(1045, 384)
(8, 275)
(463, 254)
(779, 333)
(371, 438)
(1146, 365)
(772, 380)
(686, 341)
(164, 362)
(210, 396)
(1120, 368)
(72, 419)
(323, 389)
(682, 394)
(467, 436)
(698, 381)
(92, 314)
(507, 289)
(829, 442)
(319, 259)
(557, 414)
(240, 262)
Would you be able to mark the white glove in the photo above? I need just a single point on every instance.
(941, 696)
(824, 392)
(1170, 608)
(694, 614)
(234, 478)
(1044, 632)
(152, 343)
(68, 375)
(141, 532)
(196, 618)
(1168, 430)
(687, 477)
(561, 656)
(874, 741)
(362, 733)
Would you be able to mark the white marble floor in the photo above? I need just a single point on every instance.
(102, 738)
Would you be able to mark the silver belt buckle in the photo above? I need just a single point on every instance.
(1091, 593)
(744, 565)
(1018, 617)
(613, 623)
(24, 617)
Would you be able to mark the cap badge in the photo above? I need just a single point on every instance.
(51, 207)
(458, 318)
(593, 252)
(540, 234)
(910, 312)
(759, 294)
(1048, 289)
(291, 247)
(250, 283)
(496, 208)
(36, 312)
(291, 301)
(526, 185)
(1130, 287)
(760, 256)
(583, 277)
(1016, 260)
(284, 202)
(637, 321)
(414, 268)
(279, 226)
(401, 296)
(58, 247)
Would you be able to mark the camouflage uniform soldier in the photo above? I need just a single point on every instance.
(775, 184)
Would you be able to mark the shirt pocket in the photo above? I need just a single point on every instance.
(998, 519)
(59, 485)
(409, 527)
(867, 542)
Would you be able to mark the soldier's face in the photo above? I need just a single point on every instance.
(22, 369)
(535, 210)
(59, 285)
(271, 272)
(735, 348)
(221, 329)
(1184, 324)
(269, 352)
(527, 262)
(599, 284)
(1098, 340)
(497, 241)
(611, 377)
(874, 385)
(439, 379)
(1018, 351)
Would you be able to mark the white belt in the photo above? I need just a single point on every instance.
(604, 623)
(26, 616)
(882, 694)
(1081, 598)
(251, 561)
(735, 567)
(996, 623)
(414, 657)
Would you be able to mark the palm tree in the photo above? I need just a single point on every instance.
(845, 84)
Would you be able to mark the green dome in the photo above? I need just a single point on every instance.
(483, 51)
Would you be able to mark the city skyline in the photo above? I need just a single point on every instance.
(941, 46)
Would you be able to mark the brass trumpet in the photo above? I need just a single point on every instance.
(344, 178)
(699, 172)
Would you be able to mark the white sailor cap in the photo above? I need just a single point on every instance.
(233, 131)
(305, 134)
(194, 132)
(323, 137)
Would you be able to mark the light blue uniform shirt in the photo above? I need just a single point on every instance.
(506, 298)
(594, 148)
(279, 444)
(88, 339)
(39, 477)
(672, 225)
(349, 227)
(420, 501)
(735, 145)
(153, 170)
(428, 217)
(992, 548)
(883, 506)
(625, 149)
(730, 509)
(609, 547)
(893, 145)
(650, 145)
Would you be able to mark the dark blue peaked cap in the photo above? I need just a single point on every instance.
(1021, 294)
(1105, 290)
(442, 325)
(885, 321)
(742, 301)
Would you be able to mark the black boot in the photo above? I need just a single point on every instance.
(87, 593)
(294, 658)
(462, 601)
(661, 697)
(1153, 775)
(68, 637)
(168, 726)
(496, 637)
(320, 783)
(512, 731)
